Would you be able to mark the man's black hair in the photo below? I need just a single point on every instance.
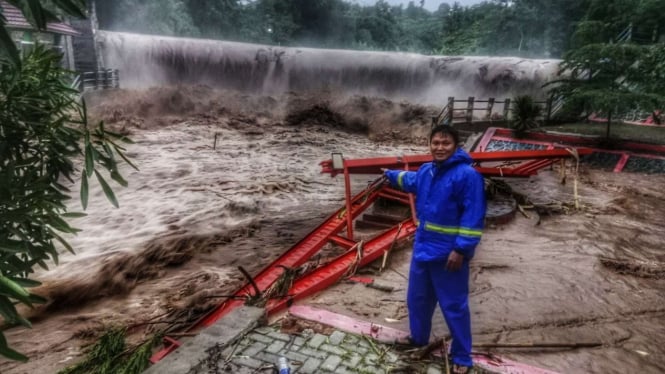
(445, 130)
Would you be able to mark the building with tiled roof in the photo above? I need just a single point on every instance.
(57, 34)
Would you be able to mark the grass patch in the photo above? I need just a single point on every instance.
(637, 133)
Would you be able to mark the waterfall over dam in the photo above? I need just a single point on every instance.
(147, 60)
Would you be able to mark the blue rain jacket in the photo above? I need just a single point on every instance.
(450, 206)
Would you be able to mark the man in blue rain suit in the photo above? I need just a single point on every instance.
(450, 207)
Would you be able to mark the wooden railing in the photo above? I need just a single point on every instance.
(453, 112)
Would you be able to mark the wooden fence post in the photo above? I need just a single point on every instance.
(451, 110)
(490, 105)
(469, 109)
(506, 109)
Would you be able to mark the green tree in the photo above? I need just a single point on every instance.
(165, 17)
(460, 31)
(378, 24)
(216, 18)
(43, 128)
(610, 79)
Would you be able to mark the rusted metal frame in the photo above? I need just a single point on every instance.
(331, 273)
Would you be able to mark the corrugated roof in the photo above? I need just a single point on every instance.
(16, 20)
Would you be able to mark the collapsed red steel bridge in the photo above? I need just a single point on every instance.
(361, 253)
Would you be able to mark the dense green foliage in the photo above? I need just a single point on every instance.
(529, 28)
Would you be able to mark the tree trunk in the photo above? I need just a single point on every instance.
(609, 121)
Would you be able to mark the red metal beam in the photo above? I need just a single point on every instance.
(374, 165)
(329, 274)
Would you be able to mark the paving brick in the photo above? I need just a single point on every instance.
(345, 370)
(316, 340)
(391, 357)
(372, 359)
(299, 341)
(247, 361)
(279, 336)
(295, 356)
(275, 347)
(363, 343)
(310, 366)
(331, 363)
(266, 357)
(351, 339)
(260, 338)
(253, 349)
(352, 359)
(312, 352)
(370, 370)
(336, 338)
(292, 347)
(354, 348)
(264, 330)
(332, 349)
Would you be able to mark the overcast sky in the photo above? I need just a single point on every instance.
(430, 5)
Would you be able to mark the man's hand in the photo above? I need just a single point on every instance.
(454, 261)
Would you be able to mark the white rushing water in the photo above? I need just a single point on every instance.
(145, 60)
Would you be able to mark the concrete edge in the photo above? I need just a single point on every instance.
(193, 354)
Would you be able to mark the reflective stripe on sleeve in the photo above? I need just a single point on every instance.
(452, 230)
(400, 178)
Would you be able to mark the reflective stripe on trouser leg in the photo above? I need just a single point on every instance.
(421, 302)
(452, 290)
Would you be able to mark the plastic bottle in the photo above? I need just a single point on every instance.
(283, 365)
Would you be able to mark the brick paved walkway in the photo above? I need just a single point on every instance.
(339, 352)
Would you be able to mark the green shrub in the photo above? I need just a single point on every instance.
(525, 113)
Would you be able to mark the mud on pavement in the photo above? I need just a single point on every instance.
(193, 213)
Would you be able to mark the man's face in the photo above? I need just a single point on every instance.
(442, 147)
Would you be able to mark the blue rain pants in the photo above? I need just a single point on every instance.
(429, 282)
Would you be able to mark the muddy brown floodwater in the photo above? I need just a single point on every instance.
(193, 213)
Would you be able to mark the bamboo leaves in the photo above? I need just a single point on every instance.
(43, 131)
(107, 189)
